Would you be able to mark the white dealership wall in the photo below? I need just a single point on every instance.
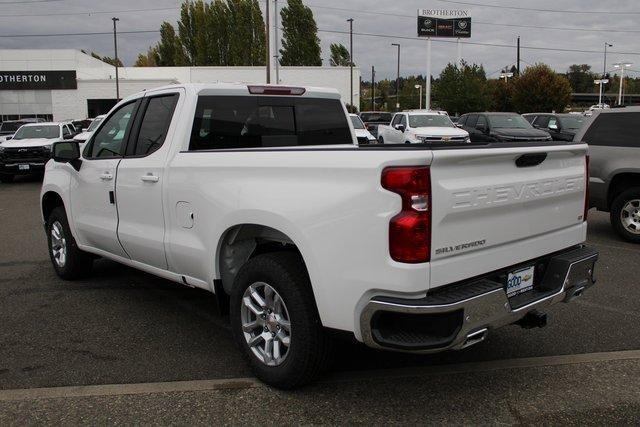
(96, 80)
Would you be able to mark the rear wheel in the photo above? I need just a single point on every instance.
(68, 260)
(381, 140)
(6, 178)
(275, 322)
(625, 215)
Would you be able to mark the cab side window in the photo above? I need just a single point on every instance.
(396, 120)
(155, 124)
(481, 124)
(403, 120)
(109, 140)
(65, 131)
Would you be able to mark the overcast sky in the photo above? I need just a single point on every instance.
(368, 50)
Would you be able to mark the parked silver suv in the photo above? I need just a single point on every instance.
(614, 149)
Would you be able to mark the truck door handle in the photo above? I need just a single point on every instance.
(149, 178)
(106, 176)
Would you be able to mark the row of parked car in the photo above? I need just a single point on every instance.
(25, 145)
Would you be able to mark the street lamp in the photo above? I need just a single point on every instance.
(397, 78)
(621, 66)
(115, 46)
(350, 21)
(420, 87)
(604, 73)
(506, 76)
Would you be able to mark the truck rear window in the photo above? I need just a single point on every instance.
(615, 129)
(228, 122)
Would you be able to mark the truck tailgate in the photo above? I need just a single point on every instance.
(494, 207)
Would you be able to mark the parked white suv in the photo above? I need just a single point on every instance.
(261, 195)
(421, 126)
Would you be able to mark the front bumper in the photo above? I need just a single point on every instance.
(18, 168)
(459, 315)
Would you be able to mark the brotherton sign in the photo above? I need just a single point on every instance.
(444, 23)
(37, 80)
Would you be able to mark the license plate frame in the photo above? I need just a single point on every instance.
(519, 281)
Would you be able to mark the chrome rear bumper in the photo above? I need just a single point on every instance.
(461, 315)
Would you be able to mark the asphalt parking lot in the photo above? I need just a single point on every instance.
(128, 347)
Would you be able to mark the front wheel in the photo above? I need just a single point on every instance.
(380, 140)
(68, 260)
(275, 321)
(625, 215)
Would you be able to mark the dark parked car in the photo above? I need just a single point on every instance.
(613, 136)
(372, 119)
(561, 127)
(505, 127)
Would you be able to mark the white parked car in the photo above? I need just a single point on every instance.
(421, 126)
(261, 195)
(30, 148)
(362, 134)
(83, 136)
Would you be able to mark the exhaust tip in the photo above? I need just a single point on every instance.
(475, 338)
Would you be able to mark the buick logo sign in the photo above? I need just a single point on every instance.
(427, 23)
(462, 25)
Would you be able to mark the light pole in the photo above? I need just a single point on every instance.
(604, 73)
(420, 87)
(277, 52)
(506, 76)
(397, 78)
(621, 66)
(350, 21)
(115, 46)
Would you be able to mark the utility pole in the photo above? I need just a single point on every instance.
(115, 46)
(275, 29)
(397, 78)
(373, 88)
(603, 79)
(518, 57)
(350, 21)
(419, 96)
(267, 39)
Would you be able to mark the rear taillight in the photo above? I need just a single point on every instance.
(586, 188)
(410, 230)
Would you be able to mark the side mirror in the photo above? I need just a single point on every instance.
(553, 127)
(400, 127)
(458, 125)
(68, 136)
(8, 138)
(66, 152)
(482, 128)
(536, 126)
(84, 129)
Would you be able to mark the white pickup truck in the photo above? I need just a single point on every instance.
(261, 195)
(421, 127)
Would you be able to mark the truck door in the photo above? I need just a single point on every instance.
(139, 189)
(93, 194)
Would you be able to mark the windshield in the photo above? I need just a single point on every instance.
(376, 117)
(94, 124)
(10, 126)
(509, 121)
(46, 132)
(429, 120)
(572, 122)
(357, 123)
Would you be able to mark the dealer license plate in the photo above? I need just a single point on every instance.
(520, 281)
(23, 167)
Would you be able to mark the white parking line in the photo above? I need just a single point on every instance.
(244, 383)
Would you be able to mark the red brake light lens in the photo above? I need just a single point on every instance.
(410, 230)
(276, 90)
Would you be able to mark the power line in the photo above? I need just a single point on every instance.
(583, 11)
(93, 12)
(476, 43)
(27, 2)
(79, 34)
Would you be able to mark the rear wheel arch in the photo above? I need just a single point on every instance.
(620, 183)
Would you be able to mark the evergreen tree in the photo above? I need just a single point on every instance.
(462, 89)
(300, 43)
(540, 89)
(169, 49)
(339, 55)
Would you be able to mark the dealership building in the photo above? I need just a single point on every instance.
(61, 84)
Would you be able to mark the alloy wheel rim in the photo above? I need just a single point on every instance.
(630, 216)
(265, 323)
(58, 244)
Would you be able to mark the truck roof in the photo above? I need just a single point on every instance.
(242, 89)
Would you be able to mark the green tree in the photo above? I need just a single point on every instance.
(169, 49)
(300, 42)
(339, 55)
(149, 59)
(501, 94)
(581, 78)
(462, 89)
(107, 59)
(540, 89)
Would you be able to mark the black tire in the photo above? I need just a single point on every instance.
(77, 263)
(6, 179)
(616, 214)
(311, 349)
(380, 140)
